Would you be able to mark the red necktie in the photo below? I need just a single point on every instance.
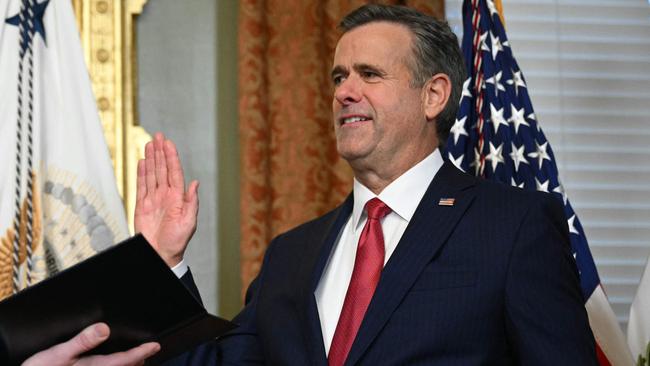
(368, 264)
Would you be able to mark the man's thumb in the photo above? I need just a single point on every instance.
(66, 353)
(89, 338)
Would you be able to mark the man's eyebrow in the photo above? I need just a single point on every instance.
(365, 67)
(339, 70)
(360, 67)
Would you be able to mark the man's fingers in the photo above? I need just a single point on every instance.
(134, 356)
(90, 337)
(150, 167)
(175, 170)
(192, 197)
(66, 353)
(138, 354)
(161, 164)
(141, 186)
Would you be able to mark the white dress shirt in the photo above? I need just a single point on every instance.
(403, 196)
(180, 269)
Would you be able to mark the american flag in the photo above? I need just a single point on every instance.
(496, 135)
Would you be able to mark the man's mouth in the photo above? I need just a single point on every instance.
(354, 119)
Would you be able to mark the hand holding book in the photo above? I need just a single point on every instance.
(69, 353)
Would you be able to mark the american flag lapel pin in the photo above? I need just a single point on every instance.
(446, 202)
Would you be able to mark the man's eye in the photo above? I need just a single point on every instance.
(338, 79)
(369, 74)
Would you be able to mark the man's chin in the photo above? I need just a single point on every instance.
(358, 160)
(352, 148)
(351, 155)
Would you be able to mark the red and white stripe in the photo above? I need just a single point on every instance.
(478, 81)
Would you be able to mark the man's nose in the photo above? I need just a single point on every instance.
(348, 91)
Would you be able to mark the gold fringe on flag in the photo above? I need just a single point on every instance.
(499, 6)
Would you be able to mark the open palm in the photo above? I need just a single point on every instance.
(164, 212)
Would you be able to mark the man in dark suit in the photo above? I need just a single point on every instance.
(474, 273)
(422, 264)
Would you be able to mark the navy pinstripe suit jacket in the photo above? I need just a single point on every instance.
(487, 281)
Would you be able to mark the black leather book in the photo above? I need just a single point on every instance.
(129, 287)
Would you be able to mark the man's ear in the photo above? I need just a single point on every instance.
(436, 94)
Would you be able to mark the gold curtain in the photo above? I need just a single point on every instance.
(290, 171)
(108, 38)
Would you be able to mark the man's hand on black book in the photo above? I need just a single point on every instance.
(164, 212)
(69, 353)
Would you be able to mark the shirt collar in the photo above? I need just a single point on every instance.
(413, 184)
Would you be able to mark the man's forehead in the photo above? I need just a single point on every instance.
(368, 41)
(377, 29)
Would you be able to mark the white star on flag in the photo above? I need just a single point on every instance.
(514, 183)
(496, 116)
(492, 7)
(572, 228)
(466, 91)
(482, 40)
(495, 156)
(517, 155)
(517, 117)
(457, 162)
(458, 129)
(476, 164)
(540, 154)
(560, 190)
(496, 81)
(532, 117)
(542, 187)
(517, 80)
(496, 46)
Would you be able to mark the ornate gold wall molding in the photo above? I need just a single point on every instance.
(108, 37)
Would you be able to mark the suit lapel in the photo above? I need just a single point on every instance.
(310, 274)
(429, 228)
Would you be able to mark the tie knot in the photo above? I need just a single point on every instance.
(376, 209)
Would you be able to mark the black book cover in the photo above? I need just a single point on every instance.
(127, 286)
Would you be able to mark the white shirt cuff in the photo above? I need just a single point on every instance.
(180, 269)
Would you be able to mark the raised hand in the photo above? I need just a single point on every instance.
(68, 353)
(164, 212)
